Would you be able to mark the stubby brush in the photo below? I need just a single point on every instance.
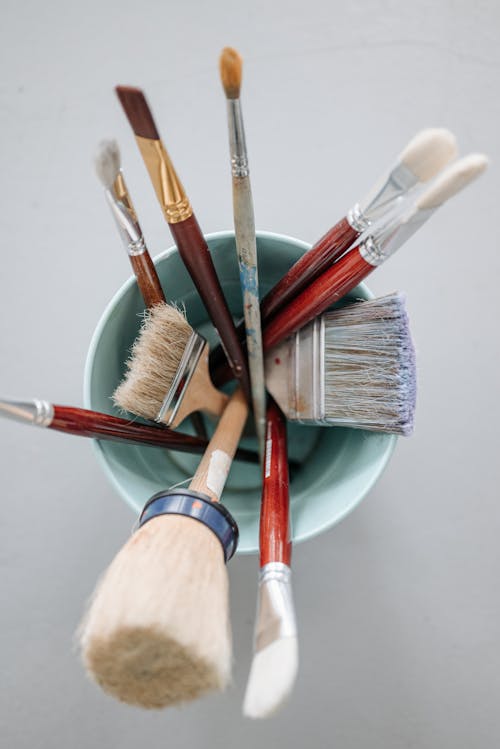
(352, 367)
(186, 232)
(244, 232)
(421, 159)
(167, 373)
(275, 662)
(157, 631)
(371, 251)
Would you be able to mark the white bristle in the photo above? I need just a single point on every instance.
(454, 179)
(272, 676)
(107, 162)
(157, 629)
(428, 152)
(370, 380)
(154, 361)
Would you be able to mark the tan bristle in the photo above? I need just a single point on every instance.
(157, 629)
(230, 65)
(154, 361)
(454, 179)
(428, 152)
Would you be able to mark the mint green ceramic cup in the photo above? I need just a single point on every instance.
(338, 466)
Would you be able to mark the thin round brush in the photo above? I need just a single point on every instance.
(352, 367)
(244, 232)
(275, 662)
(108, 168)
(157, 631)
(369, 253)
(422, 158)
(85, 423)
(186, 232)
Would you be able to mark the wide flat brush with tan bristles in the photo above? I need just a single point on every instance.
(157, 630)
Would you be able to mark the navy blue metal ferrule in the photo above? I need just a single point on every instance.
(198, 506)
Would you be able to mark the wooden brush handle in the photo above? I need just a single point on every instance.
(194, 252)
(147, 279)
(335, 283)
(275, 542)
(213, 469)
(86, 423)
(310, 266)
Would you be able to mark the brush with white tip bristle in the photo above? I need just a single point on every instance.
(244, 235)
(422, 158)
(370, 252)
(275, 662)
(157, 629)
(108, 168)
(353, 367)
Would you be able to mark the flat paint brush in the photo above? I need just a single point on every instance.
(370, 252)
(422, 158)
(244, 232)
(157, 631)
(275, 662)
(85, 423)
(108, 168)
(186, 232)
(352, 367)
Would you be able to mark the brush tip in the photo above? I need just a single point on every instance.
(138, 112)
(107, 162)
(272, 676)
(429, 151)
(455, 178)
(230, 66)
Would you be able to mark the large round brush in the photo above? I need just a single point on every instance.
(157, 631)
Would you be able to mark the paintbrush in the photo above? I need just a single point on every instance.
(186, 232)
(353, 367)
(422, 158)
(85, 423)
(371, 251)
(244, 233)
(157, 631)
(108, 168)
(275, 662)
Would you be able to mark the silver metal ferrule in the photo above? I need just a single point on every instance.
(308, 400)
(128, 226)
(382, 198)
(237, 144)
(383, 243)
(190, 358)
(35, 411)
(275, 609)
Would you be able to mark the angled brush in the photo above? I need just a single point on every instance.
(244, 232)
(85, 423)
(275, 662)
(185, 230)
(422, 158)
(370, 252)
(351, 367)
(157, 630)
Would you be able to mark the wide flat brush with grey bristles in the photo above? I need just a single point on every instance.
(352, 367)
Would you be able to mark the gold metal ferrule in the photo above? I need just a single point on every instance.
(168, 187)
(122, 194)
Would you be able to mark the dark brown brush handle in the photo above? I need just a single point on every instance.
(194, 252)
(307, 269)
(275, 543)
(85, 423)
(147, 279)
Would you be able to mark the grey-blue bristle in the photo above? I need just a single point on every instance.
(370, 369)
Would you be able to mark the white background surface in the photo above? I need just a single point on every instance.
(399, 605)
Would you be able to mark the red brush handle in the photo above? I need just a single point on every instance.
(147, 279)
(194, 252)
(86, 423)
(335, 283)
(275, 543)
(310, 266)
